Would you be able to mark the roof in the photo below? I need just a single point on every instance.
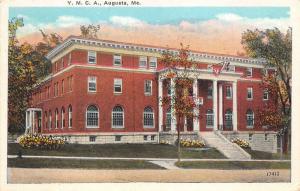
(147, 48)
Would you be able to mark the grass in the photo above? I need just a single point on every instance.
(77, 163)
(266, 155)
(118, 150)
(230, 165)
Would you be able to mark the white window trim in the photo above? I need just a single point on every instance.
(212, 90)
(62, 119)
(148, 93)
(251, 72)
(69, 59)
(267, 95)
(88, 83)
(250, 127)
(92, 126)
(147, 126)
(115, 83)
(143, 58)
(250, 88)
(70, 114)
(114, 58)
(209, 126)
(50, 120)
(89, 54)
(228, 97)
(118, 127)
(153, 59)
(56, 119)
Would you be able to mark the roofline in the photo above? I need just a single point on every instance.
(147, 48)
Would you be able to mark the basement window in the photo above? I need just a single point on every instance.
(92, 138)
(118, 138)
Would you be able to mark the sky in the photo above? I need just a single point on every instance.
(207, 29)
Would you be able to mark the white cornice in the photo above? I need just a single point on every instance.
(196, 56)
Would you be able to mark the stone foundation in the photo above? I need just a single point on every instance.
(260, 141)
(171, 137)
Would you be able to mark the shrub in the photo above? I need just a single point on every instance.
(240, 142)
(41, 141)
(192, 143)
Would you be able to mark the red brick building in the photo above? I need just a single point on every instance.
(103, 91)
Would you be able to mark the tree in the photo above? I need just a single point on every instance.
(27, 65)
(21, 77)
(89, 31)
(180, 70)
(276, 48)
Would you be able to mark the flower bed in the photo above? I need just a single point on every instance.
(240, 142)
(41, 141)
(163, 142)
(191, 143)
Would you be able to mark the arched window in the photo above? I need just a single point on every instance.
(50, 120)
(228, 118)
(46, 120)
(70, 116)
(92, 116)
(56, 119)
(118, 117)
(209, 118)
(250, 118)
(168, 118)
(62, 117)
(148, 117)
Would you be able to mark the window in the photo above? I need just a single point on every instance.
(118, 138)
(117, 85)
(228, 118)
(230, 68)
(228, 92)
(117, 60)
(249, 72)
(117, 117)
(91, 57)
(46, 119)
(148, 87)
(168, 118)
(250, 118)
(69, 59)
(62, 63)
(70, 79)
(62, 86)
(92, 84)
(92, 138)
(50, 120)
(143, 62)
(250, 93)
(152, 137)
(266, 95)
(266, 137)
(209, 92)
(62, 117)
(56, 119)
(209, 118)
(250, 137)
(148, 117)
(92, 116)
(145, 137)
(169, 88)
(70, 116)
(152, 62)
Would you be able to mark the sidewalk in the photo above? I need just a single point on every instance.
(146, 159)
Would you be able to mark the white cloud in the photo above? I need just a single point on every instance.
(229, 17)
(67, 21)
(126, 21)
(23, 16)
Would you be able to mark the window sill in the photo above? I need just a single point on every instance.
(148, 94)
(92, 92)
(149, 127)
(209, 127)
(229, 98)
(249, 99)
(249, 127)
(93, 63)
(92, 127)
(117, 93)
(118, 127)
(265, 99)
(209, 97)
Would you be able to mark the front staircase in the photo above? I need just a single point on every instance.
(227, 148)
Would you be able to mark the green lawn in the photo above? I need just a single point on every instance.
(77, 163)
(227, 165)
(266, 155)
(119, 150)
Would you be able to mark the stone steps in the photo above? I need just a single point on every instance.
(230, 150)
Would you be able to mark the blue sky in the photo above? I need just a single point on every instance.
(153, 15)
(193, 25)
